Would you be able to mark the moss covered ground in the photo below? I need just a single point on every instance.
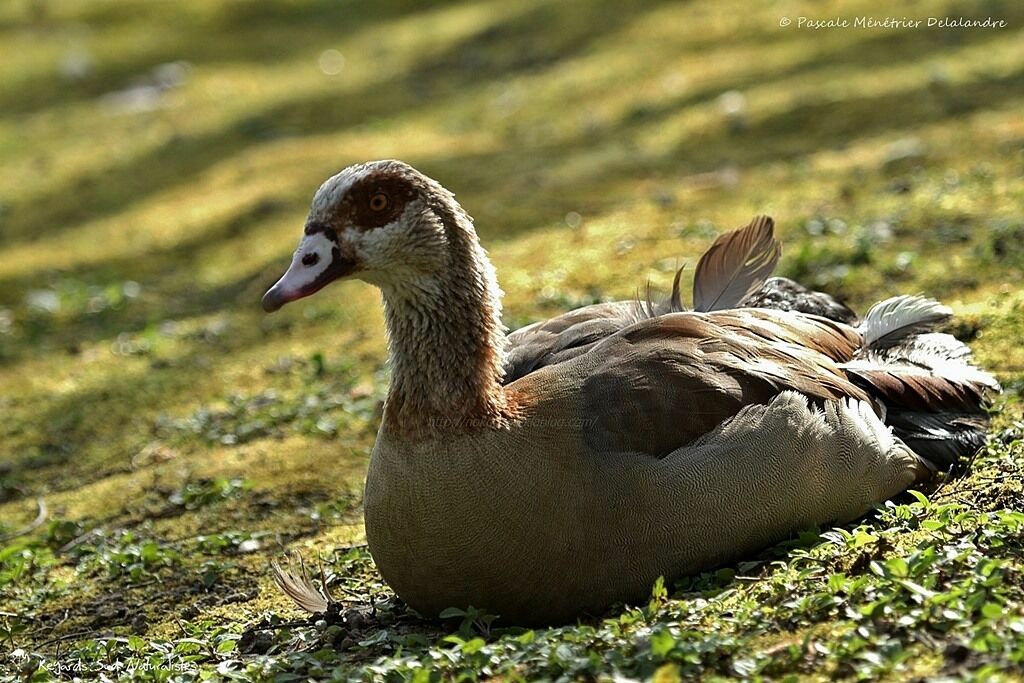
(156, 163)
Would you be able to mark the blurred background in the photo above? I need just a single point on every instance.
(157, 159)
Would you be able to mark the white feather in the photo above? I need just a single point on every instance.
(897, 318)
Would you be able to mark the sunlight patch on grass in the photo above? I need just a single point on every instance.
(592, 145)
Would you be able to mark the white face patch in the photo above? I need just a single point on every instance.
(395, 253)
(309, 262)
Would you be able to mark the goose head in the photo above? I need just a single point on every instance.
(382, 222)
(387, 224)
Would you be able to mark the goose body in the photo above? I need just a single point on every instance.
(555, 471)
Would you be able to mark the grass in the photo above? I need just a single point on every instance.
(157, 160)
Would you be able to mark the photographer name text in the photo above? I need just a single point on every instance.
(892, 22)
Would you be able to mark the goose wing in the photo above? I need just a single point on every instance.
(734, 267)
(664, 382)
(565, 336)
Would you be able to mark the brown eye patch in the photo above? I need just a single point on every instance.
(376, 200)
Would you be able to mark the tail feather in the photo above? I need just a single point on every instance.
(947, 440)
(935, 397)
(944, 355)
(914, 387)
(296, 584)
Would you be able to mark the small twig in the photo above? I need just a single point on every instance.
(67, 636)
(285, 624)
(181, 627)
(323, 579)
(36, 523)
(348, 591)
(78, 540)
(51, 629)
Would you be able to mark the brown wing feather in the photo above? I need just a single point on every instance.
(930, 372)
(934, 395)
(680, 375)
(918, 389)
(836, 340)
(737, 264)
(564, 337)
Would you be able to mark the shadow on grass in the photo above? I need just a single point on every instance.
(529, 41)
(508, 173)
(265, 32)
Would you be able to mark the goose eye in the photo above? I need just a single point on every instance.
(379, 201)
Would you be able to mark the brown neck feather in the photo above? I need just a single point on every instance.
(446, 341)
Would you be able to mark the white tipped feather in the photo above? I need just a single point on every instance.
(736, 264)
(897, 318)
(946, 356)
(932, 346)
(941, 355)
(861, 414)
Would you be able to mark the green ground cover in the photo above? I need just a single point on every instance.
(156, 163)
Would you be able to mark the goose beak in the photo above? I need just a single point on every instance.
(316, 263)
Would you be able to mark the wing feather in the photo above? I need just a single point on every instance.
(664, 382)
(737, 264)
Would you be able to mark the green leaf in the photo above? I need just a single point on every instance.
(659, 592)
(919, 497)
(473, 645)
(225, 646)
(662, 642)
(991, 610)
(897, 566)
(836, 582)
(862, 538)
(917, 588)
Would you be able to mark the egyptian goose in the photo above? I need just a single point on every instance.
(564, 467)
